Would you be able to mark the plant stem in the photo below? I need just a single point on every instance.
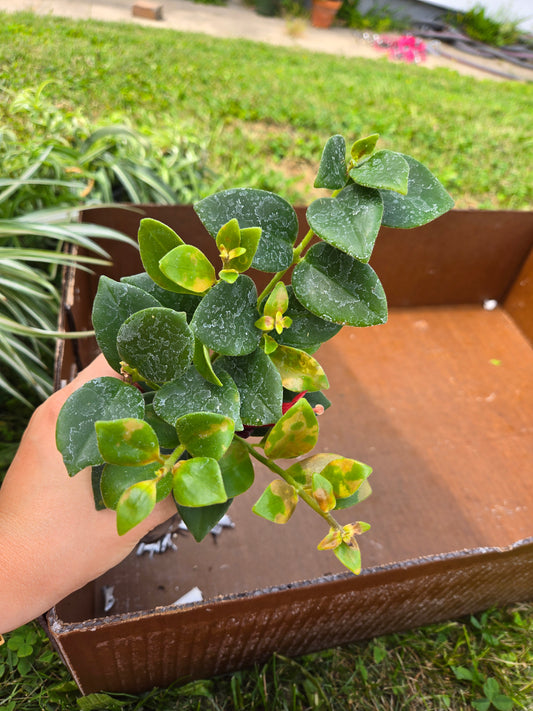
(309, 500)
(173, 458)
(296, 254)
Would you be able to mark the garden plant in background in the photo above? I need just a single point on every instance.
(208, 363)
(69, 166)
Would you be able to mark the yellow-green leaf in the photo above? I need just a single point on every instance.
(346, 475)
(293, 434)
(277, 502)
(188, 267)
(322, 491)
(299, 371)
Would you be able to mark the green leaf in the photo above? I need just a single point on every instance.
(157, 342)
(99, 702)
(294, 434)
(278, 301)
(135, 504)
(338, 288)
(205, 434)
(363, 148)
(96, 478)
(117, 479)
(113, 304)
(259, 386)
(192, 393)
(202, 519)
(362, 493)
(277, 502)
(225, 319)
(349, 556)
(426, 199)
(350, 221)
(385, 169)
(322, 491)
(255, 208)
(188, 267)
(237, 468)
(299, 371)
(307, 331)
(166, 434)
(202, 363)
(250, 238)
(128, 441)
(198, 482)
(103, 398)
(332, 168)
(155, 240)
(170, 299)
(346, 475)
(237, 247)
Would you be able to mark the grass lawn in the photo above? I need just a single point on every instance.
(264, 114)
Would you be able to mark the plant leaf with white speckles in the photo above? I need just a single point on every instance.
(255, 208)
(332, 168)
(385, 169)
(127, 441)
(101, 398)
(170, 299)
(192, 393)
(113, 304)
(259, 386)
(225, 319)
(338, 288)
(306, 330)
(157, 342)
(350, 221)
(293, 434)
(426, 199)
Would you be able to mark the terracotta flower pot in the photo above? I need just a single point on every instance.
(323, 12)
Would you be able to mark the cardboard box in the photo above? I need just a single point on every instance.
(439, 401)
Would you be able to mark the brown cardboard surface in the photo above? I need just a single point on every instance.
(439, 401)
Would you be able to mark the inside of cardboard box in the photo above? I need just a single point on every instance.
(439, 401)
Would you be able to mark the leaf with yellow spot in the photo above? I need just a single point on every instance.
(362, 493)
(205, 434)
(349, 556)
(188, 267)
(299, 371)
(346, 476)
(303, 471)
(331, 541)
(128, 441)
(228, 237)
(293, 434)
(277, 502)
(135, 504)
(322, 492)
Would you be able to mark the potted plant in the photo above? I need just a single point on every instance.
(323, 12)
(215, 375)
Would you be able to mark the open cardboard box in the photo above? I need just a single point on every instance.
(439, 401)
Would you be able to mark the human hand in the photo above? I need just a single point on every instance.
(53, 540)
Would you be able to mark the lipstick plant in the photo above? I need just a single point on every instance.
(215, 375)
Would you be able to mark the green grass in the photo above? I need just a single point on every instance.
(264, 113)
(442, 666)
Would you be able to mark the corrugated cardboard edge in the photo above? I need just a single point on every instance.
(235, 631)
